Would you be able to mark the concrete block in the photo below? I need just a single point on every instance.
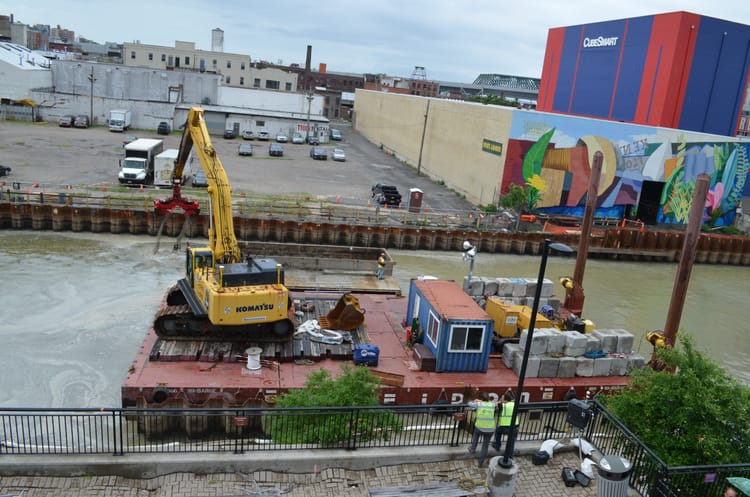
(490, 286)
(548, 367)
(573, 351)
(475, 287)
(567, 367)
(508, 351)
(532, 367)
(575, 339)
(584, 366)
(593, 343)
(636, 361)
(519, 287)
(530, 286)
(625, 341)
(538, 344)
(608, 340)
(554, 302)
(619, 366)
(556, 341)
(602, 366)
(504, 287)
(547, 288)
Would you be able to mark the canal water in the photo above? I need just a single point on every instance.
(75, 306)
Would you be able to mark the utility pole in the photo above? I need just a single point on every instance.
(309, 103)
(421, 143)
(91, 95)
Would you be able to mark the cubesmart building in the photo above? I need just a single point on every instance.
(676, 70)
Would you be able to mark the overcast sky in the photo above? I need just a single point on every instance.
(453, 41)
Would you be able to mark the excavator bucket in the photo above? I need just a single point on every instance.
(347, 315)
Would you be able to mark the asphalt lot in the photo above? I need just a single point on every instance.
(54, 157)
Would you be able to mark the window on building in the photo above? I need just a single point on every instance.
(272, 85)
(256, 83)
(150, 56)
(214, 62)
(229, 64)
(466, 338)
(163, 57)
(242, 81)
(242, 66)
(187, 61)
(288, 87)
(229, 80)
(260, 124)
(433, 328)
(132, 54)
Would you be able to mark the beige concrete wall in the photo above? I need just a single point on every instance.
(454, 132)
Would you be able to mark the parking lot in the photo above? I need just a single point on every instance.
(54, 157)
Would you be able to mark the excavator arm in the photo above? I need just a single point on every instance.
(221, 237)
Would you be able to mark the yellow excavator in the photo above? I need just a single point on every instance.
(221, 297)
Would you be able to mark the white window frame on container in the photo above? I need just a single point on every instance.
(433, 328)
(466, 330)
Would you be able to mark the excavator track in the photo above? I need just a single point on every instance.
(177, 322)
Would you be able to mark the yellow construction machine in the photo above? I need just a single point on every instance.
(221, 297)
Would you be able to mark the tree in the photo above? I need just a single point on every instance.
(355, 387)
(695, 415)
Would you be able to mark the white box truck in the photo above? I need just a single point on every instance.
(138, 165)
(164, 165)
(119, 120)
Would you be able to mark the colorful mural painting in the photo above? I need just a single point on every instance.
(553, 155)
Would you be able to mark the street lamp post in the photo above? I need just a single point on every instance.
(507, 460)
(91, 96)
(309, 103)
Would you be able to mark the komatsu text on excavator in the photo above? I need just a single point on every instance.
(222, 297)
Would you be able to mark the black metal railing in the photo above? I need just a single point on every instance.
(189, 430)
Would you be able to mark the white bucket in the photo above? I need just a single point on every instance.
(253, 358)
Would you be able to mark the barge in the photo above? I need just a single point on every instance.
(235, 375)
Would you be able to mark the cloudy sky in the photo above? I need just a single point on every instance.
(453, 40)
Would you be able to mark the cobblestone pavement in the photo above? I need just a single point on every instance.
(537, 481)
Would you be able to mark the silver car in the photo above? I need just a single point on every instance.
(338, 154)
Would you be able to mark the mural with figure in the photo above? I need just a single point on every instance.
(553, 155)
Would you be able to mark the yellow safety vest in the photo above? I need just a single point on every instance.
(506, 412)
(485, 415)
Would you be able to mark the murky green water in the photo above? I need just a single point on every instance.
(75, 307)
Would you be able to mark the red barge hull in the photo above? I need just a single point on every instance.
(192, 374)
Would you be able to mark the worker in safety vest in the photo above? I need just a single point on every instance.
(381, 266)
(506, 413)
(484, 425)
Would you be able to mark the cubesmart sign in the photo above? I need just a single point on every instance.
(492, 147)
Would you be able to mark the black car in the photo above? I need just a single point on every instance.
(336, 135)
(275, 150)
(313, 140)
(319, 153)
(163, 128)
(229, 134)
(4, 170)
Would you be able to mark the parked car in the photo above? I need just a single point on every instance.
(319, 153)
(128, 139)
(263, 135)
(199, 179)
(275, 150)
(163, 128)
(248, 134)
(313, 140)
(4, 170)
(336, 135)
(282, 138)
(82, 121)
(229, 134)
(245, 149)
(338, 154)
(298, 138)
(66, 121)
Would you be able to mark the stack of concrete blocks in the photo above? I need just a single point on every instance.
(521, 291)
(561, 354)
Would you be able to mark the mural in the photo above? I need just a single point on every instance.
(553, 154)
